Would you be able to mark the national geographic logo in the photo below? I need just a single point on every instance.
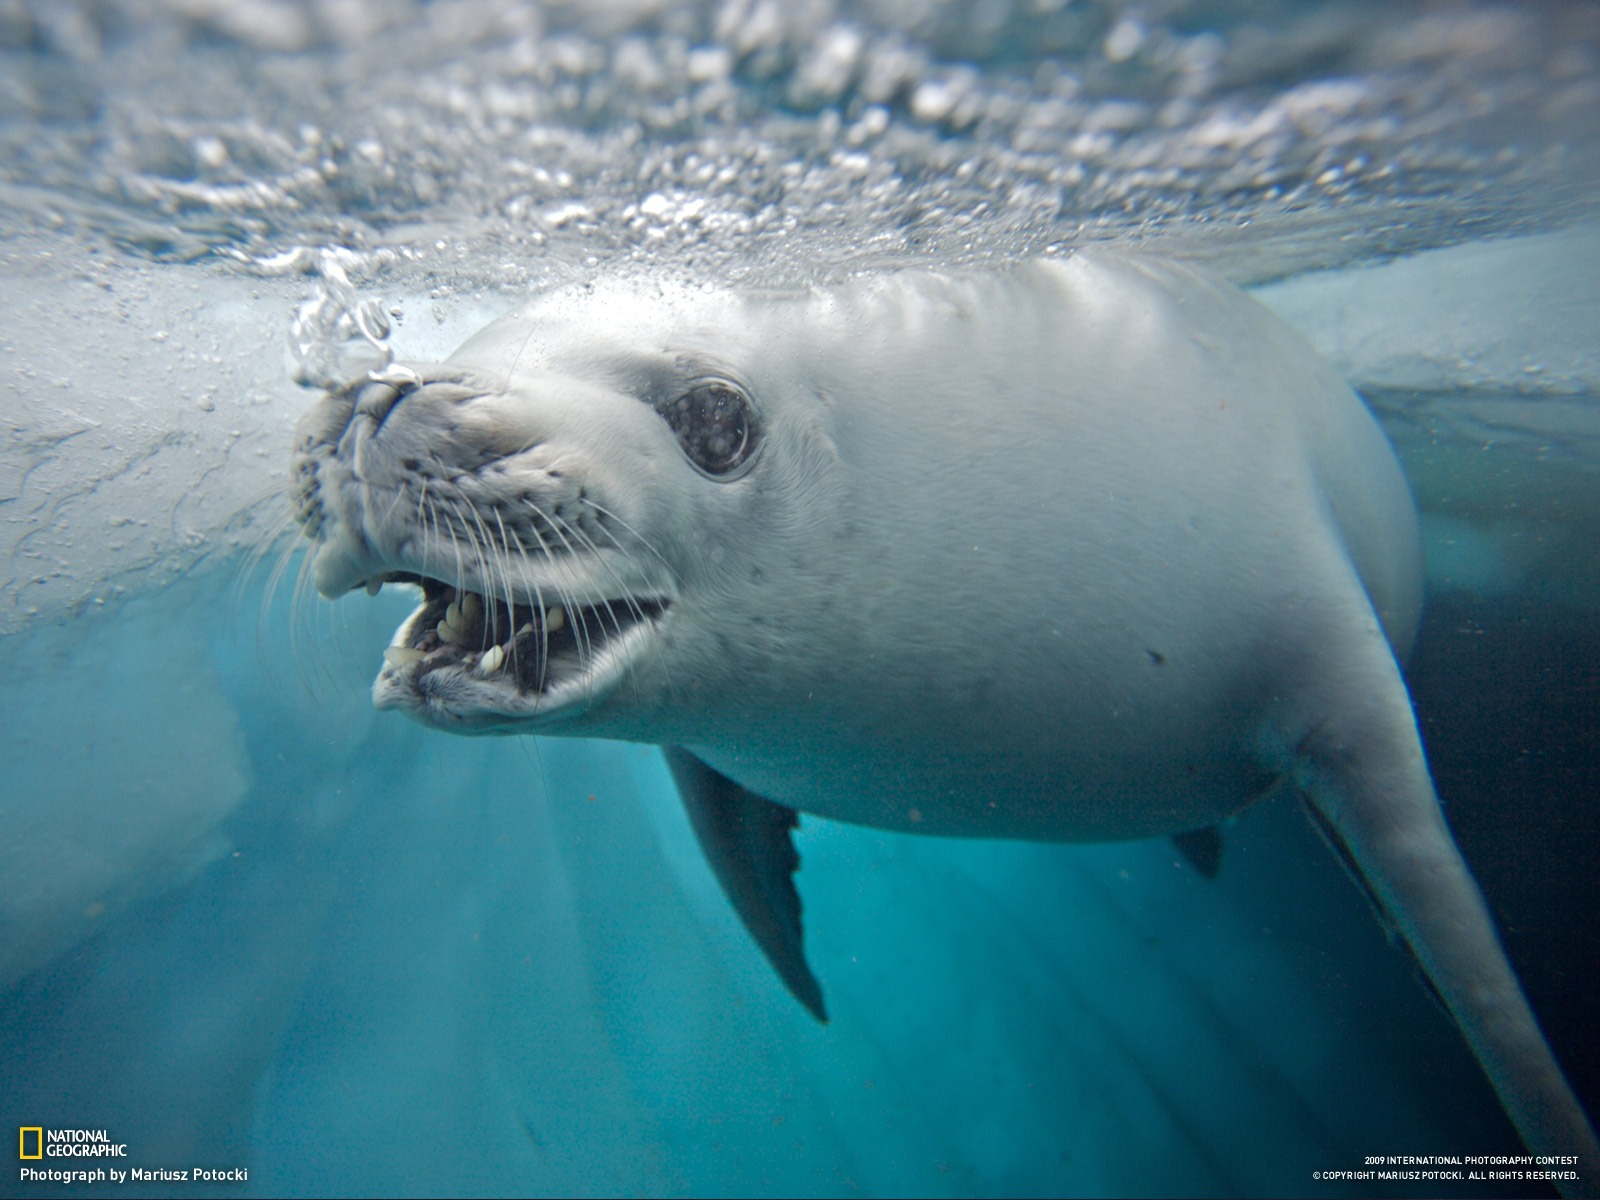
(36, 1142)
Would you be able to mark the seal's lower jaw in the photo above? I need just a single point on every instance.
(468, 663)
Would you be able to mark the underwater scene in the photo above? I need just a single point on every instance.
(875, 374)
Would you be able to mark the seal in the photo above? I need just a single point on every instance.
(1090, 548)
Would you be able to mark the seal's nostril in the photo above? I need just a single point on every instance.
(377, 400)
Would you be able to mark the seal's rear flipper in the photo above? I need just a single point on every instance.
(1360, 764)
(746, 840)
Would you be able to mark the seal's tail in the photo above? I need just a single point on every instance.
(1366, 779)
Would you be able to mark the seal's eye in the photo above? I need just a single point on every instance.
(716, 426)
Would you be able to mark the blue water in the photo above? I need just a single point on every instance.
(248, 923)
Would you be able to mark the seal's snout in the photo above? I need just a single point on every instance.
(534, 594)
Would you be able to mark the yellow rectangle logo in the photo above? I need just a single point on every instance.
(38, 1141)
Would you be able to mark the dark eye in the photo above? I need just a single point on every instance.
(716, 426)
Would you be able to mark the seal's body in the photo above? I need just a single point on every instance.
(1093, 548)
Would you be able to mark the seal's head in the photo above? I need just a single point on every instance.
(556, 490)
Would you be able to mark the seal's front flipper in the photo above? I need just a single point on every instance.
(746, 840)
(1202, 848)
(1359, 761)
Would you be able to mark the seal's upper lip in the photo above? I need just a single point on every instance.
(461, 654)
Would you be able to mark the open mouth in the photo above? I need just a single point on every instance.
(537, 649)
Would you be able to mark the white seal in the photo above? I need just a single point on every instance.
(1092, 548)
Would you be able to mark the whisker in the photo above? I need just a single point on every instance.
(430, 528)
(491, 617)
(516, 359)
(544, 619)
(580, 628)
(635, 609)
(561, 523)
(278, 531)
(399, 495)
(278, 541)
(504, 556)
(569, 606)
(303, 584)
(640, 541)
(643, 541)
(472, 538)
(449, 540)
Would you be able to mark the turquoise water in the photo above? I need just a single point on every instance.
(247, 923)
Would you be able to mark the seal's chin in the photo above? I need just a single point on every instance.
(463, 661)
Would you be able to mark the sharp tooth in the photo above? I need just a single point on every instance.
(452, 615)
(555, 619)
(374, 586)
(471, 606)
(400, 657)
(448, 632)
(527, 627)
(491, 660)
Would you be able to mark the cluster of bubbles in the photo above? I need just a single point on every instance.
(498, 143)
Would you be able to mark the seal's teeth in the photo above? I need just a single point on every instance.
(527, 627)
(374, 586)
(491, 661)
(471, 607)
(400, 657)
(555, 619)
(450, 633)
(452, 615)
